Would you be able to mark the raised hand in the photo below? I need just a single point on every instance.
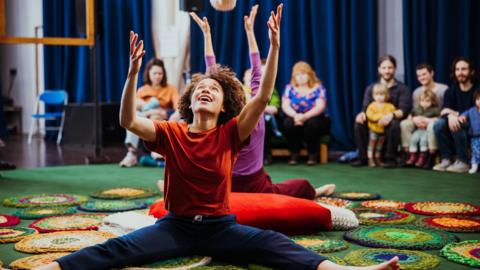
(250, 20)
(202, 23)
(136, 53)
(274, 26)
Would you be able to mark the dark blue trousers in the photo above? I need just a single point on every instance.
(451, 143)
(219, 237)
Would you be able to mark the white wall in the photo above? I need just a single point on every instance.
(22, 18)
(390, 32)
(171, 34)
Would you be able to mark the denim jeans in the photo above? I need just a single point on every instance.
(449, 142)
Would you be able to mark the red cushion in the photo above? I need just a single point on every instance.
(281, 213)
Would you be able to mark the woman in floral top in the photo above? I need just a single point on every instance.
(304, 103)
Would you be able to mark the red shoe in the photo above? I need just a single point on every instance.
(422, 158)
(412, 158)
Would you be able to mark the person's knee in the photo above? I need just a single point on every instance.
(439, 125)
(406, 125)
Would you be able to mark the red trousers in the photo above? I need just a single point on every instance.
(260, 182)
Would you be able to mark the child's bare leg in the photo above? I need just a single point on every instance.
(390, 265)
(371, 151)
(161, 185)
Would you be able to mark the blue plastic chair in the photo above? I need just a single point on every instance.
(50, 98)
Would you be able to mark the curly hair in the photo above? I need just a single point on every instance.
(233, 95)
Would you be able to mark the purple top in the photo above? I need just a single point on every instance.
(250, 158)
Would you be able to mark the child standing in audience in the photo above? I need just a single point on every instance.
(427, 107)
(379, 108)
(472, 116)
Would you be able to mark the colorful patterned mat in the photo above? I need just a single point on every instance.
(45, 200)
(443, 208)
(31, 262)
(356, 196)
(335, 202)
(401, 237)
(41, 212)
(15, 234)
(178, 263)
(408, 259)
(383, 204)
(451, 223)
(320, 243)
(123, 193)
(383, 216)
(61, 241)
(7, 220)
(111, 206)
(465, 252)
(75, 222)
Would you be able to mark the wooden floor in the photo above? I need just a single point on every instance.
(43, 153)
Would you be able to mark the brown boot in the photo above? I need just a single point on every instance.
(422, 158)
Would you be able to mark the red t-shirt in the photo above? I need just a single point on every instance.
(198, 166)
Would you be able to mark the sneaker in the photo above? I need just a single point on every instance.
(474, 169)
(312, 159)
(293, 159)
(129, 160)
(156, 155)
(442, 166)
(359, 162)
(458, 167)
(371, 162)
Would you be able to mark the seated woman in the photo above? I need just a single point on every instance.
(156, 100)
(304, 103)
(248, 172)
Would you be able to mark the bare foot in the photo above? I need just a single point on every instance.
(325, 190)
(390, 265)
(161, 185)
(50, 266)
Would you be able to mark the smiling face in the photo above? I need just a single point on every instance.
(207, 97)
(424, 76)
(386, 70)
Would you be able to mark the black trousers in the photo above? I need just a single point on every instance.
(310, 132)
(392, 139)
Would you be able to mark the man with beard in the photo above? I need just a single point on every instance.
(400, 98)
(425, 76)
(451, 134)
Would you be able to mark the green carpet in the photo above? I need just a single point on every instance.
(396, 184)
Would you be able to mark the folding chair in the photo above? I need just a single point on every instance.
(50, 98)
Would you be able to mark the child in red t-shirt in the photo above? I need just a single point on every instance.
(199, 158)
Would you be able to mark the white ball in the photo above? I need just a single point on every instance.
(223, 5)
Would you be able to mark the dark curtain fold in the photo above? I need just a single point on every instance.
(436, 32)
(68, 67)
(337, 37)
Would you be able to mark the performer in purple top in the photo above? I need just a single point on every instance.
(248, 172)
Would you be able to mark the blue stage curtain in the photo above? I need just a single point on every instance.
(438, 31)
(337, 37)
(68, 67)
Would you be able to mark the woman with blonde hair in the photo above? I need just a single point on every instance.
(304, 103)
